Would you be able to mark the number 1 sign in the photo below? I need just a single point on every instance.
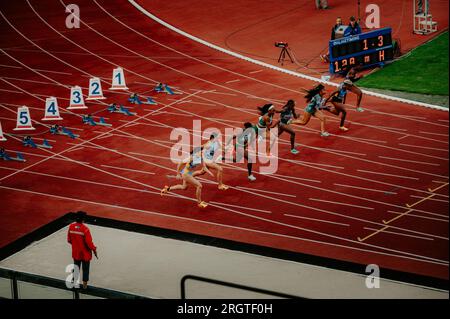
(118, 80)
(23, 119)
(95, 90)
(51, 110)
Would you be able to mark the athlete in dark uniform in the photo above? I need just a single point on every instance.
(287, 114)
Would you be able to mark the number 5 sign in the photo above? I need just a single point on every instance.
(23, 119)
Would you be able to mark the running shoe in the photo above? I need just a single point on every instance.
(294, 151)
(165, 190)
(324, 134)
(359, 109)
(343, 128)
(223, 187)
(251, 178)
(202, 204)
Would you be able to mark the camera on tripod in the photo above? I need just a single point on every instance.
(281, 44)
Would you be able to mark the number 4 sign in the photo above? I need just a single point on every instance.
(51, 110)
(118, 80)
(23, 119)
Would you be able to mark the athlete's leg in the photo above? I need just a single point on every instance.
(198, 193)
(322, 119)
(304, 120)
(219, 169)
(356, 90)
(341, 109)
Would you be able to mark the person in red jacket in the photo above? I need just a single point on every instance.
(80, 238)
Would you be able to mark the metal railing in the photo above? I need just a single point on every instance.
(231, 285)
(17, 276)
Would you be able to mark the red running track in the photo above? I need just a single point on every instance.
(319, 202)
(252, 27)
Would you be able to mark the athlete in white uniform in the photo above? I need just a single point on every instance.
(210, 155)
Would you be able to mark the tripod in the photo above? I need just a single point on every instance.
(282, 56)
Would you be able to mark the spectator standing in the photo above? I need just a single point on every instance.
(80, 238)
(322, 4)
(326, 57)
(353, 27)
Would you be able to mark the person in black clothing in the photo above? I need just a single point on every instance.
(353, 27)
(326, 57)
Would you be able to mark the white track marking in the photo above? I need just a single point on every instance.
(153, 60)
(267, 192)
(10, 66)
(420, 216)
(339, 203)
(233, 81)
(128, 169)
(385, 174)
(55, 158)
(317, 220)
(427, 148)
(367, 189)
(243, 207)
(438, 134)
(432, 199)
(413, 256)
(399, 234)
(257, 71)
(408, 161)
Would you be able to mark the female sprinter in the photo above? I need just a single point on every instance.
(185, 173)
(209, 149)
(265, 122)
(240, 146)
(315, 100)
(287, 114)
(337, 99)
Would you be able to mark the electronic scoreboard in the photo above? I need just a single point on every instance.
(365, 49)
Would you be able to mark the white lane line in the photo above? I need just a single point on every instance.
(420, 216)
(401, 138)
(399, 234)
(432, 199)
(11, 66)
(44, 156)
(11, 91)
(56, 72)
(425, 147)
(438, 134)
(317, 220)
(243, 207)
(199, 103)
(367, 189)
(128, 169)
(90, 146)
(345, 152)
(40, 70)
(314, 164)
(408, 161)
(339, 203)
(106, 136)
(220, 93)
(409, 256)
(385, 174)
(75, 149)
(253, 72)
(446, 121)
(232, 81)
(262, 191)
(440, 182)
